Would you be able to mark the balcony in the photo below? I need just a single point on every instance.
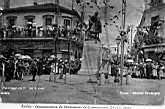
(30, 34)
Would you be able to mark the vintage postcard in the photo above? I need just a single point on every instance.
(82, 52)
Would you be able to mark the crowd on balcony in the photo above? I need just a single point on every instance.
(150, 34)
(31, 31)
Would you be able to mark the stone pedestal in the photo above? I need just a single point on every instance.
(66, 78)
(89, 64)
(51, 77)
(102, 79)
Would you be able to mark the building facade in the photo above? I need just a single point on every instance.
(151, 31)
(40, 30)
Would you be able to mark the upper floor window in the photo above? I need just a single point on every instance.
(67, 22)
(11, 21)
(154, 29)
(156, 2)
(155, 19)
(29, 18)
(48, 20)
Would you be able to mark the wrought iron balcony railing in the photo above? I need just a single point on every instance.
(33, 34)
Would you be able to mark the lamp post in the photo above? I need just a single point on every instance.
(56, 38)
(118, 40)
(123, 35)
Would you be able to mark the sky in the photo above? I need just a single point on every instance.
(134, 13)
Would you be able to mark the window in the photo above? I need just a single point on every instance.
(67, 22)
(155, 25)
(48, 21)
(156, 2)
(154, 20)
(11, 20)
(29, 18)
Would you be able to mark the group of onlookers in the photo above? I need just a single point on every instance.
(15, 68)
(32, 31)
(149, 70)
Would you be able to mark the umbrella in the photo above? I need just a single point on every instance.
(50, 59)
(18, 55)
(81, 59)
(131, 61)
(29, 22)
(21, 57)
(27, 57)
(2, 57)
(148, 60)
(24, 57)
(52, 56)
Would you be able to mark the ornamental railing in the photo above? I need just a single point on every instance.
(30, 33)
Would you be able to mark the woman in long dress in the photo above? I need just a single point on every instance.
(154, 70)
(161, 72)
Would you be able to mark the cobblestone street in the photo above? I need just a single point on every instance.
(79, 91)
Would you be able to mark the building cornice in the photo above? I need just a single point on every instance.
(50, 7)
(153, 46)
(155, 8)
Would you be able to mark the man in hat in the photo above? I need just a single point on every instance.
(60, 66)
(33, 70)
(149, 70)
(65, 68)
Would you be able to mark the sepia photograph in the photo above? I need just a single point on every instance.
(82, 52)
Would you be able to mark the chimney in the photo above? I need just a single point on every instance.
(6, 4)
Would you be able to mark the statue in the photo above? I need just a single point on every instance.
(94, 27)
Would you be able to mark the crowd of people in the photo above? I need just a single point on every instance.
(30, 30)
(17, 67)
(149, 69)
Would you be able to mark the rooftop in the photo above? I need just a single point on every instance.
(49, 7)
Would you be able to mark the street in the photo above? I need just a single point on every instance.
(79, 91)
